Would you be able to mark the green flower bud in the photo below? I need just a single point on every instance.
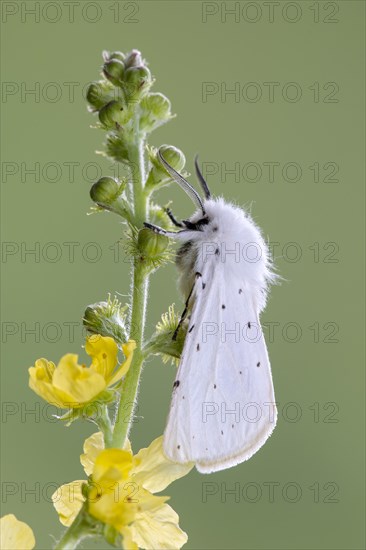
(150, 244)
(155, 111)
(114, 113)
(133, 59)
(113, 70)
(138, 81)
(99, 93)
(107, 319)
(158, 176)
(117, 55)
(173, 156)
(105, 191)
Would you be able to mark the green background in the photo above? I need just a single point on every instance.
(317, 368)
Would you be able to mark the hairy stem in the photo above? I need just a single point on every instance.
(105, 425)
(116, 436)
(127, 403)
(79, 529)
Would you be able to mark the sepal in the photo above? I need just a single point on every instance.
(162, 342)
(107, 319)
(117, 147)
(89, 410)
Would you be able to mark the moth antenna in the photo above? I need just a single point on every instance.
(201, 179)
(183, 183)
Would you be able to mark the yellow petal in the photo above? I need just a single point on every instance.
(119, 503)
(40, 381)
(115, 498)
(76, 384)
(127, 446)
(154, 471)
(158, 530)
(15, 534)
(68, 500)
(93, 445)
(103, 350)
(45, 369)
(108, 496)
(109, 508)
(128, 543)
(128, 350)
(112, 465)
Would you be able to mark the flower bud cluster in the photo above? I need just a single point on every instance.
(125, 91)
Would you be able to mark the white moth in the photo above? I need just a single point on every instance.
(223, 405)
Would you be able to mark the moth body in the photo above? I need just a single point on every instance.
(223, 405)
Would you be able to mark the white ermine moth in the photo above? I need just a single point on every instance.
(223, 405)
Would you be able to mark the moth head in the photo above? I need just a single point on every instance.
(185, 185)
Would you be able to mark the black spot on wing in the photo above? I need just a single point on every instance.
(176, 384)
(192, 327)
(258, 364)
(198, 347)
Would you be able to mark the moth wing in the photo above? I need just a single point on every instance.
(223, 405)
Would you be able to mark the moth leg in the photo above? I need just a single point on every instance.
(155, 228)
(173, 218)
(185, 311)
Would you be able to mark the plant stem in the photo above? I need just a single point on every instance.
(104, 424)
(79, 529)
(127, 403)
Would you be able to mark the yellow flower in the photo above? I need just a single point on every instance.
(15, 534)
(70, 385)
(121, 494)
